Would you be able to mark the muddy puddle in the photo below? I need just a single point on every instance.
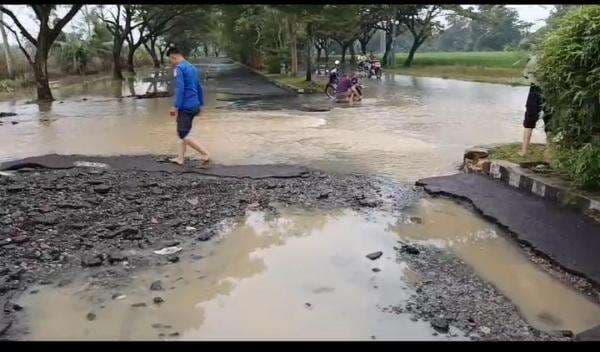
(303, 274)
(298, 275)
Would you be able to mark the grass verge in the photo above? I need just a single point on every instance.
(510, 152)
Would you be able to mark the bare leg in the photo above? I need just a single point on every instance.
(181, 157)
(192, 143)
(526, 140)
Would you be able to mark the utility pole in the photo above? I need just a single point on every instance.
(9, 64)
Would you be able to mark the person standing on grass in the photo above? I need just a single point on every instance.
(534, 106)
(189, 100)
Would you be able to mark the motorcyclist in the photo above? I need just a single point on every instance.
(335, 72)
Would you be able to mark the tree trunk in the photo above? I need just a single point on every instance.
(352, 54)
(130, 56)
(151, 49)
(363, 46)
(293, 46)
(40, 72)
(308, 54)
(326, 56)
(117, 61)
(388, 48)
(344, 48)
(411, 54)
(7, 56)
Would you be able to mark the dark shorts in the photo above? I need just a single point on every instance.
(184, 121)
(533, 108)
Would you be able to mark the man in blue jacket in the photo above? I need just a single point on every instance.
(189, 100)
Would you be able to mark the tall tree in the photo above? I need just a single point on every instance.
(154, 20)
(118, 21)
(46, 15)
(6, 47)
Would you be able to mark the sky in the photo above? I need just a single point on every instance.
(530, 13)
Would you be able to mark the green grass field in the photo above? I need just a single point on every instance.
(488, 59)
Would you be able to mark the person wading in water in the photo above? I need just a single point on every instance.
(188, 103)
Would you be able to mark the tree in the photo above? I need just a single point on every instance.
(46, 36)
(153, 21)
(384, 17)
(420, 22)
(119, 23)
(7, 56)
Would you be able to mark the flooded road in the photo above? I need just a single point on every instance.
(302, 274)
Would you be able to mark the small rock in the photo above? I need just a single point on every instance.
(485, 330)
(174, 334)
(374, 255)
(102, 189)
(205, 236)
(118, 296)
(308, 305)
(409, 249)
(20, 239)
(440, 325)
(91, 316)
(416, 220)
(173, 258)
(158, 300)
(14, 188)
(138, 305)
(90, 260)
(156, 286)
(47, 219)
(376, 270)
(116, 257)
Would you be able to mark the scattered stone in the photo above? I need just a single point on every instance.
(64, 282)
(485, 330)
(102, 189)
(205, 236)
(91, 260)
(138, 305)
(173, 258)
(440, 325)
(20, 239)
(416, 220)
(158, 300)
(128, 233)
(118, 296)
(14, 188)
(308, 305)
(406, 248)
(156, 286)
(116, 257)
(376, 270)
(91, 316)
(374, 255)
(168, 250)
(174, 334)
(47, 219)
(6, 114)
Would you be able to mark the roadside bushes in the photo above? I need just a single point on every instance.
(569, 75)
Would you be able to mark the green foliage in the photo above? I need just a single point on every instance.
(569, 75)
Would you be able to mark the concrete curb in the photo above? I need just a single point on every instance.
(550, 188)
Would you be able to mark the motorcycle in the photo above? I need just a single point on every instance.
(331, 86)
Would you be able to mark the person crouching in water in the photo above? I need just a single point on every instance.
(344, 89)
(189, 100)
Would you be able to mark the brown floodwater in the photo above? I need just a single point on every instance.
(256, 281)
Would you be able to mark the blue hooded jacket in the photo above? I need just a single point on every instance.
(188, 94)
